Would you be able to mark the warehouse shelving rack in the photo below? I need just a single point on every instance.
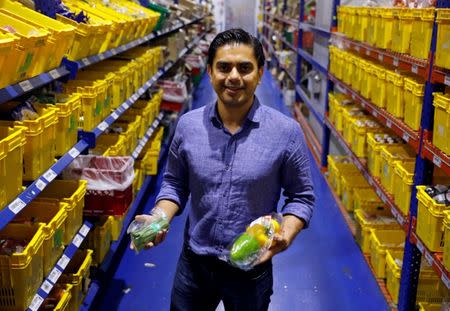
(428, 156)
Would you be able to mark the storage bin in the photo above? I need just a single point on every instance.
(352, 21)
(365, 223)
(443, 38)
(373, 26)
(424, 306)
(441, 127)
(384, 31)
(422, 29)
(403, 182)
(99, 239)
(345, 110)
(340, 165)
(356, 80)
(150, 162)
(360, 130)
(72, 193)
(342, 19)
(362, 24)
(111, 145)
(349, 116)
(414, 92)
(53, 215)
(379, 94)
(430, 288)
(395, 103)
(389, 156)
(380, 242)
(117, 223)
(130, 130)
(373, 81)
(77, 275)
(401, 41)
(430, 216)
(368, 77)
(446, 226)
(109, 79)
(22, 273)
(63, 300)
(9, 58)
(12, 142)
(350, 184)
(367, 200)
(349, 70)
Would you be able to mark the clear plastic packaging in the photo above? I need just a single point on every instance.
(250, 246)
(174, 92)
(144, 232)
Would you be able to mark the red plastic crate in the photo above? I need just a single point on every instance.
(112, 202)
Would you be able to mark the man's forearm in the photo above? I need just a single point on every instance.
(170, 208)
(291, 226)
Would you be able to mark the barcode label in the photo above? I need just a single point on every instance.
(63, 261)
(40, 184)
(388, 123)
(379, 193)
(84, 230)
(357, 48)
(367, 52)
(46, 287)
(414, 69)
(135, 154)
(102, 126)
(85, 61)
(437, 161)
(380, 57)
(447, 80)
(101, 56)
(54, 275)
(395, 62)
(26, 85)
(74, 152)
(139, 149)
(54, 73)
(353, 96)
(77, 240)
(147, 84)
(429, 258)
(405, 137)
(420, 246)
(375, 114)
(126, 105)
(17, 205)
(50, 175)
(445, 280)
(114, 115)
(36, 302)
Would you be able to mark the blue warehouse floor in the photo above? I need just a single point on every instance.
(323, 269)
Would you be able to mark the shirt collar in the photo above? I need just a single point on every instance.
(253, 116)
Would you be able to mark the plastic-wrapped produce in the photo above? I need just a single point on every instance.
(144, 232)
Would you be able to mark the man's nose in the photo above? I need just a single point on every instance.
(234, 74)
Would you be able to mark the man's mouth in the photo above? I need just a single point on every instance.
(232, 90)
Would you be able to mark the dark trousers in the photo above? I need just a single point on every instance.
(201, 282)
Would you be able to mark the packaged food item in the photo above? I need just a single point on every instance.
(439, 193)
(251, 245)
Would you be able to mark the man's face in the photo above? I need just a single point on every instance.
(235, 74)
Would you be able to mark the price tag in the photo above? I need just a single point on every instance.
(135, 154)
(395, 213)
(126, 105)
(380, 57)
(357, 48)
(375, 114)
(367, 52)
(74, 152)
(46, 287)
(114, 51)
(77, 240)
(85, 61)
(420, 247)
(101, 56)
(437, 161)
(50, 175)
(447, 80)
(414, 68)
(429, 258)
(395, 62)
(379, 192)
(40, 184)
(54, 74)
(54, 275)
(26, 85)
(114, 115)
(147, 84)
(363, 104)
(405, 137)
(445, 280)
(139, 149)
(103, 126)
(63, 261)
(84, 230)
(17, 205)
(353, 96)
(388, 123)
(36, 302)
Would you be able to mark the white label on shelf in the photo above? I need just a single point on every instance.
(379, 192)
(26, 85)
(375, 114)
(420, 247)
(353, 96)
(102, 126)
(77, 240)
(388, 123)
(54, 275)
(380, 57)
(405, 137)
(54, 74)
(40, 184)
(135, 154)
(126, 105)
(363, 104)
(101, 56)
(447, 80)
(63, 261)
(114, 115)
(367, 52)
(357, 48)
(139, 149)
(437, 161)
(114, 51)
(36, 302)
(85, 61)
(429, 258)
(395, 62)
(84, 230)
(147, 84)
(445, 280)
(46, 287)
(395, 213)
(74, 152)
(17, 205)
(50, 175)
(414, 68)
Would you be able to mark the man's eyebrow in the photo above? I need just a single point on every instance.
(240, 63)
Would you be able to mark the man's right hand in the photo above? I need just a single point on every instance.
(159, 237)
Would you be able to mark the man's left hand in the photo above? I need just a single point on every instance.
(279, 244)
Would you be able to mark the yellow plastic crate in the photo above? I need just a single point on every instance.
(117, 223)
(347, 74)
(338, 165)
(401, 32)
(333, 59)
(77, 275)
(373, 82)
(111, 145)
(352, 21)
(443, 38)
(395, 103)
(389, 156)
(33, 44)
(339, 64)
(430, 216)
(12, 141)
(99, 239)
(367, 200)
(65, 299)
(441, 128)
(350, 184)
(150, 162)
(424, 306)
(446, 226)
(360, 130)
(379, 93)
(414, 92)
(380, 242)
(365, 222)
(71, 192)
(9, 58)
(348, 115)
(362, 24)
(22, 273)
(422, 29)
(342, 19)
(384, 32)
(430, 288)
(122, 85)
(130, 130)
(403, 182)
(53, 215)
(372, 29)
(374, 153)
(368, 76)
(357, 74)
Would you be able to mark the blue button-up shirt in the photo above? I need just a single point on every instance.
(236, 178)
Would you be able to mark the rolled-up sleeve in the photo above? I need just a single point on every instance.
(175, 186)
(296, 178)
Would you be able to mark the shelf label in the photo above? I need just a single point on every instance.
(40, 184)
(54, 74)
(420, 246)
(437, 161)
(135, 154)
(445, 280)
(54, 275)
(77, 240)
(126, 105)
(84, 230)
(46, 287)
(395, 62)
(447, 80)
(429, 258)
(406, 137)
(63, 261)
(103, 126)
(36, 302)
(114, 115)
(380, 57)
(388, 123)
(353, 96)
(375, 113)
(74, 152)
(101, 56)
(85, 61)
(367, 52)
(414, 68)
(396, 215)
(357, 48)
(26, 85)
(17, 205)
(50, 175)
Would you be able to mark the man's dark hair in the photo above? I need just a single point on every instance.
(236, 36)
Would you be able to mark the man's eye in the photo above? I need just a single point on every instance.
(223, 67)
(245, 68)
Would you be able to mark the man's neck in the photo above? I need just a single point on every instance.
(233, 117)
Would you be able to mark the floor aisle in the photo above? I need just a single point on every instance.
(323, 269)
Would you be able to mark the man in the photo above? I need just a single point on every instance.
(233, 157)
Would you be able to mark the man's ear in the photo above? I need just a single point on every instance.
(260, 73)
(209, 69)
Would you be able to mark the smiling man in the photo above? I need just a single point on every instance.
(233, 157)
